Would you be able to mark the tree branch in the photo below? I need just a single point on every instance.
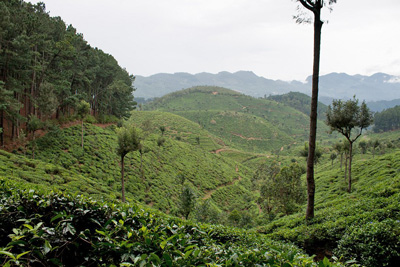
(307, 4)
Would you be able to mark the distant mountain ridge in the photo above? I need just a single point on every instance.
(377, 87)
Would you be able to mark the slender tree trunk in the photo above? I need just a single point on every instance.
(350, 161)
(122, 178)
(313, 116)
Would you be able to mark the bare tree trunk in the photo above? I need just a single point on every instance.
(350, 161)
(122, 179)
(313, 116)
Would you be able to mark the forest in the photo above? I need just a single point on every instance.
(47, 68)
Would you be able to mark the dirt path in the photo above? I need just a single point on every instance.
(220, 150)
(10, 146)
(210, 192)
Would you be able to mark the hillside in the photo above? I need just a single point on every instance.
(243, 122)
(301, 102)
(60, 161)
(224, 187)
(376, 87)
(363, 224)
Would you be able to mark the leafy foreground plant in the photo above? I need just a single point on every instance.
(50, 229)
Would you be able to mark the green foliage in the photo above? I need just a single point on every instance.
(187, 201)
(281, 189)
(387, 120)
(48, 67)
(59, 229)
(364, 222)
(373, 243)
(128, 140)
(239, 121)
(343, 117)
(299, 101)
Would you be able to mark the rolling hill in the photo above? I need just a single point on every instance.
(243, 122)
(379, 86)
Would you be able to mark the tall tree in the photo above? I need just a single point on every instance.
(343, 117)
(315, 6)
(128, 141)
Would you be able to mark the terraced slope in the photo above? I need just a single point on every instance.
(61, 162)
(253, 125)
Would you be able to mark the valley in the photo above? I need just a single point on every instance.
(99, 167)
(215, 141)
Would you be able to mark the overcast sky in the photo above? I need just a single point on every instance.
(153, 36)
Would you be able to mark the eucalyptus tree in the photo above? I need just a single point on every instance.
(315, 6)
(344, 117)
(128, 141)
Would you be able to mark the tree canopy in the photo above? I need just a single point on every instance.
(344, 117)
(46, 67)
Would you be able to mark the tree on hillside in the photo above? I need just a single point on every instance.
(374, 144)
(315, 6)
(343, 117)
(128, 141)
(363, 145)
(333, 157)
(340, 150)
(162, 129)
(187, 201)
(82, 111)
(265, 178)
(317, 155)
(282, 188)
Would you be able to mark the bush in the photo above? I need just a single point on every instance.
(90, 119)
(373, 243)
(160, 141)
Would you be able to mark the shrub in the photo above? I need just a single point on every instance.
(373, 243)
(160, 141)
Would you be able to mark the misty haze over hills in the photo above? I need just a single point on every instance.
(383, 90)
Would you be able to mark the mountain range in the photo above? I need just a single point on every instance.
(380, 88)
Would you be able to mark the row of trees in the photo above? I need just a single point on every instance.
(46, 68)
(387, 120)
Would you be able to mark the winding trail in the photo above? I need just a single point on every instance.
(210, 192)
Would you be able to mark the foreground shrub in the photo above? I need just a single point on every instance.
(50, 229)
(373, 243)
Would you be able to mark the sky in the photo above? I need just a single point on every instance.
(159, 36)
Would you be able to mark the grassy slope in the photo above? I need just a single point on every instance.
(342, 218)
(60, 161)
(254, 125)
